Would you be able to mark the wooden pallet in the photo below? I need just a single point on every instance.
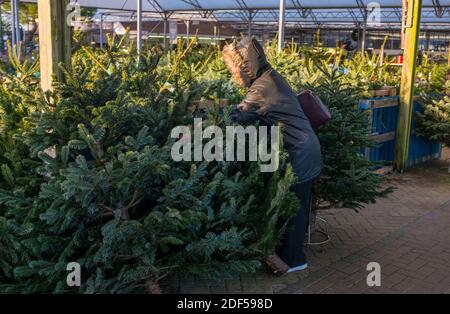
(381, 138)
(371, 104)
(384, 170)
(387, 91)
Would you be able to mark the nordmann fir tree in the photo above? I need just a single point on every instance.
(346, 180)
(96, 183)
(434, 122)
(18, 177)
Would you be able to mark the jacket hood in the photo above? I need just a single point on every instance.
(254, 58)
(246, 60)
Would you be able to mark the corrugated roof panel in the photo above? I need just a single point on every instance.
(322, 11)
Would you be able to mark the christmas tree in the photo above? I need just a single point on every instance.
(87, 177)
(434, 123)
(346, 179)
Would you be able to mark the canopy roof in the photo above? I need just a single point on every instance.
(301, 12)
(186, 5)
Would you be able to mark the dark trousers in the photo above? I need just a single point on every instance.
(291, 251)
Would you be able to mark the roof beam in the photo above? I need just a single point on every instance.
(304, 12)
(341, 25)
(354, 17)
(159, 9)
(244, 7)
(197, 5)
(242, 4)
(398, 13)
(155, 4)
(361, 7)
(438, 9)
(274, 14)
(194, 3)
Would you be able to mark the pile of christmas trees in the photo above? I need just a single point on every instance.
(87, 177)
(87, 174)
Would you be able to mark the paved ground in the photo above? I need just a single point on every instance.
(408, 234)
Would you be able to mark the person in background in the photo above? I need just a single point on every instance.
(271, 101)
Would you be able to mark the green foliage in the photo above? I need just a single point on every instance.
(364, 71)
(28, 11)
(346, 180)
(434, 123)
(431, 76)
(87, 177)
(372, 73)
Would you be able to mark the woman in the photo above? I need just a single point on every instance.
(271, 101)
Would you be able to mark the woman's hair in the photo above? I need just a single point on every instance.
(235, 64)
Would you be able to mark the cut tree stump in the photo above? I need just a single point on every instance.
(153, 287)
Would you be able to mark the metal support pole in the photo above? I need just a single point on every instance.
(165, 31)
(411, 22)
(364, 32)
(101, 30)
(358, 25)
(14, 41)
(13, 24)
(448, 62)
(250, 22)
(216, 34)
(281, 25)
(17, 25)
(2, 44)
(427, 41)
(188, 25)
(17, 22)
(139, 27)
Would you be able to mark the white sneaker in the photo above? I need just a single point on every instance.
(298, 268)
